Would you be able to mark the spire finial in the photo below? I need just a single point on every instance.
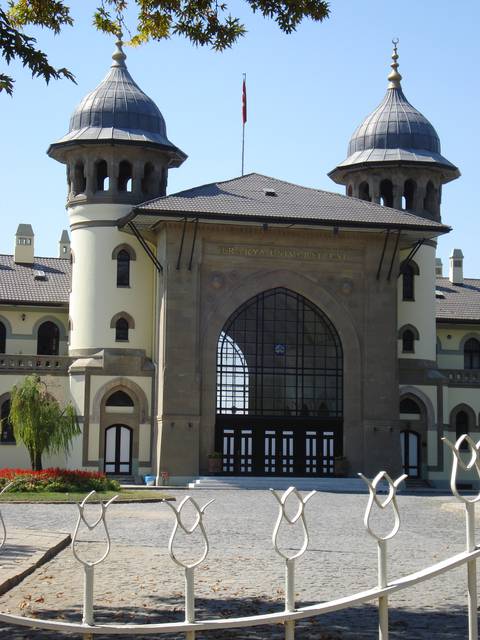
(394, 76)
(118, 55)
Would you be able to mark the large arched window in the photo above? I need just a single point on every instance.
(408, 405)
(102, 181)
(409, 190)
(125, 175)
(3, 338)
(279, 355)
(6, 434)
(364, 191)
(386, 193)
(48, 339)
(123, 269)
(79, 179)
(471, 354)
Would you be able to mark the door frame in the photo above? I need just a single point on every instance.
(406, 452)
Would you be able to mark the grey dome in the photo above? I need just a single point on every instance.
(395, 132)
(118, 110)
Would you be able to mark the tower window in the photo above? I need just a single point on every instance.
(386, 193)
(79, 180)
(123, 269)
(409, 189)
(101, 176)
(48, 339)
(429, 202)
(408, 344)
(409, 271)
(121, 330)
(125, 176)
(364, 191)
(3, 338)
(471, 354)
(148, 180)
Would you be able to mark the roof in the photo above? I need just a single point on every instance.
(461, 302)
(64, 237)
(118, 111)
(19, 286)
(25, 230)
(246, 198)
(395, 132)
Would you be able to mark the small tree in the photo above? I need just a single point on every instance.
(39, 421)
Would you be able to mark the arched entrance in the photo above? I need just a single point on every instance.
(118, 450)
(279, 388)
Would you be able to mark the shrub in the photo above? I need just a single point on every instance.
(57, 480)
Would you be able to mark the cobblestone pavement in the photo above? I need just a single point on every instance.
(242, 574)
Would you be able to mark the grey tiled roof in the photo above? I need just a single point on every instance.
(25, 230)
(461, 302)
(18, 283)
(395, 131)
(245, 198)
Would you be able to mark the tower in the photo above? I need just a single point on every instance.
(117, 155)
(394, 159)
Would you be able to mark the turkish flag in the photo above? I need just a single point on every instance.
(244, 101)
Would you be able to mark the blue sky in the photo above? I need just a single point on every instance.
(307, 92)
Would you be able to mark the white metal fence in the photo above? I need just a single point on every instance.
(465, 456)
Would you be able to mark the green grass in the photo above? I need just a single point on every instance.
(50, 496)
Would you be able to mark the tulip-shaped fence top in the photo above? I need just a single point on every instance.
(462, 459)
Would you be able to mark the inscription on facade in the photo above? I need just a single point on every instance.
(324, 255)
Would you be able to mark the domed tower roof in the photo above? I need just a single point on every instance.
(117, 111)
(395, 132)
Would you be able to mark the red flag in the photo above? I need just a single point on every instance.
(244, 101)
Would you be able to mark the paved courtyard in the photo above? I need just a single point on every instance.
(242, 574)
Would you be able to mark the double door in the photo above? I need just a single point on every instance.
(306, 450)
(118, 450)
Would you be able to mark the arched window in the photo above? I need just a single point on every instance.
(232, 390)
(79, 179)
(6, 434)
(148, 180)
(119, 399)
(462, 424)
(121, 330)
(408, 282)
(407, 405)
(471, 354)
(101, 176)
(123, 269)
(408, 341)
(48, 339)
(364, 191)
(429, 202)
(125, 176)
(409, 189)
(349, 190)
(3, 338)
(386, 193)
(279, 355)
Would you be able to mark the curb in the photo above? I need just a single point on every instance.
(48, 555)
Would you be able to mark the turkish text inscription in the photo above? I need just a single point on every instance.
(295, 253)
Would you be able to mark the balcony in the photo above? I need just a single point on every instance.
(462, 377)
(28, 364)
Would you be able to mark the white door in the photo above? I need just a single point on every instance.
(118, 450)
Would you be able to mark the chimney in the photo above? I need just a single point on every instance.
(438, 267)
(456, 267)
(64, 250)
(24, 247)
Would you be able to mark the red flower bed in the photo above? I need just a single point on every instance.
(55, 479)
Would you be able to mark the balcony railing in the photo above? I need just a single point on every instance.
(468, 377)
(34, 363)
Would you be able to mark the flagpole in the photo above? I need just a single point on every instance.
(244, 118)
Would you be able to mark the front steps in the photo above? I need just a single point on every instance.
(340, 485)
